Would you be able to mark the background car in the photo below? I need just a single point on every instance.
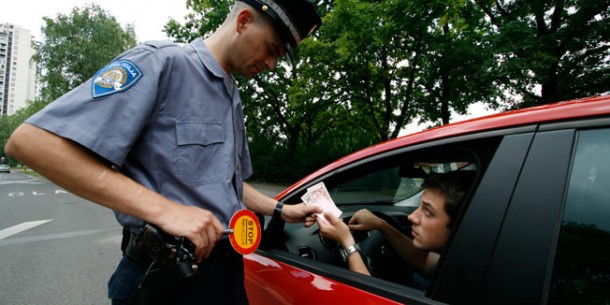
(535, 228)
(5, 168)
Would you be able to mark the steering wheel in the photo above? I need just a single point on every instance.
(380, 257)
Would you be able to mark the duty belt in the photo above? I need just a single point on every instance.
(130, 248)
(168, 261)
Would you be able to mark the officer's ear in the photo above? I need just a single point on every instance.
(244, 17)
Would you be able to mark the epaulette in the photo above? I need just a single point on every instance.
(159, 44)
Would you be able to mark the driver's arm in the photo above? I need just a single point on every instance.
(338, 231)
(423, 261)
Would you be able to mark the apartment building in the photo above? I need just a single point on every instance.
(17, 72)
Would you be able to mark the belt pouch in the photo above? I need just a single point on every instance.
(160, 284)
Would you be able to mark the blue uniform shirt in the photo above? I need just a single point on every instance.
(170, 117)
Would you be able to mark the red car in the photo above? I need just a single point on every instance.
(535, 228)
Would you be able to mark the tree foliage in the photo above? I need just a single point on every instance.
(548, 51)
(75, 46)
(376, 66)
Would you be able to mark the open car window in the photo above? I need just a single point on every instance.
(389, 185)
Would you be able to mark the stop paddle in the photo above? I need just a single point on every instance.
(244, 232)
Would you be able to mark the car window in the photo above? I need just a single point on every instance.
(400, 184)
(582, 265)
(389, 185)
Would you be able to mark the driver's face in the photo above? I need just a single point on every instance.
(430, 222)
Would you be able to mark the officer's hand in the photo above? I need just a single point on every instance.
(300, 213)
(200, 226)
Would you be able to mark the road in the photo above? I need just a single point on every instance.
(55, 247)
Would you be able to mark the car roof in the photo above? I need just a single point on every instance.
(554, 112)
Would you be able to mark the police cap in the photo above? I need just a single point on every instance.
(293, 20)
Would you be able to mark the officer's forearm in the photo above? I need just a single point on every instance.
(257, 201)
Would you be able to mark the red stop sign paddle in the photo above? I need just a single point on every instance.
(244, 232)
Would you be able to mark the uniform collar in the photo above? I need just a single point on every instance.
(213, 65)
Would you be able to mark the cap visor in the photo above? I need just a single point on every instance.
(290, 55)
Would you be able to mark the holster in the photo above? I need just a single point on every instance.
(168, 261)
(159, 284)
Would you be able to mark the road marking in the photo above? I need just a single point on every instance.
(21, 227)
(27, 239)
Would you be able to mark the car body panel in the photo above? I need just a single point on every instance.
(312, 288)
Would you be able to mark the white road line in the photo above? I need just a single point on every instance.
(21, 227)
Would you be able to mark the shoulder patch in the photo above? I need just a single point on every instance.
(117, 76)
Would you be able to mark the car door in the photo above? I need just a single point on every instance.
(280, 273)
(581, 268)
(518, 264)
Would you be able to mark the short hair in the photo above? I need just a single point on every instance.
(239, 5)
(454, 186)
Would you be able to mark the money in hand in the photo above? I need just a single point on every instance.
(318, 195)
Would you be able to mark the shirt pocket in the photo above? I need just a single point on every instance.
(201, 157)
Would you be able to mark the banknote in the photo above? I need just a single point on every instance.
(318, 195)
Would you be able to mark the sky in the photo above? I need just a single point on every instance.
(148, 16)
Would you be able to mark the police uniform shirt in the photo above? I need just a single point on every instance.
(170, 117)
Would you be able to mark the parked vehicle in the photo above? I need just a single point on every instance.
(535, 228)
(5, 168)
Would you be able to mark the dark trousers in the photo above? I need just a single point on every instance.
(219, 281)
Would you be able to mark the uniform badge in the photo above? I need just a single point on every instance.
(117, 76)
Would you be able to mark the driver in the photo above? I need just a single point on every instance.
(431, 224)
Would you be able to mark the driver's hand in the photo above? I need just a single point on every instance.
(336, 230)
(364, 220)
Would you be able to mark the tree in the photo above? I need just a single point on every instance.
(205, 17)
(75, 46)
(396, 61)
(375, 66)
(358, 81)
(379, 48)
(452, 72)
(550, 50)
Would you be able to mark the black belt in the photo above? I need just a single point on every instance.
(222, 249)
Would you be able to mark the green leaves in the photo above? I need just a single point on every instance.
(550, 51)
(376, 66)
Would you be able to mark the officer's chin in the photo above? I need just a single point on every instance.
(248, 74)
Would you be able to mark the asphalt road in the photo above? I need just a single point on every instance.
(55, 247)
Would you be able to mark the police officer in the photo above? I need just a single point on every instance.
(158, 136)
